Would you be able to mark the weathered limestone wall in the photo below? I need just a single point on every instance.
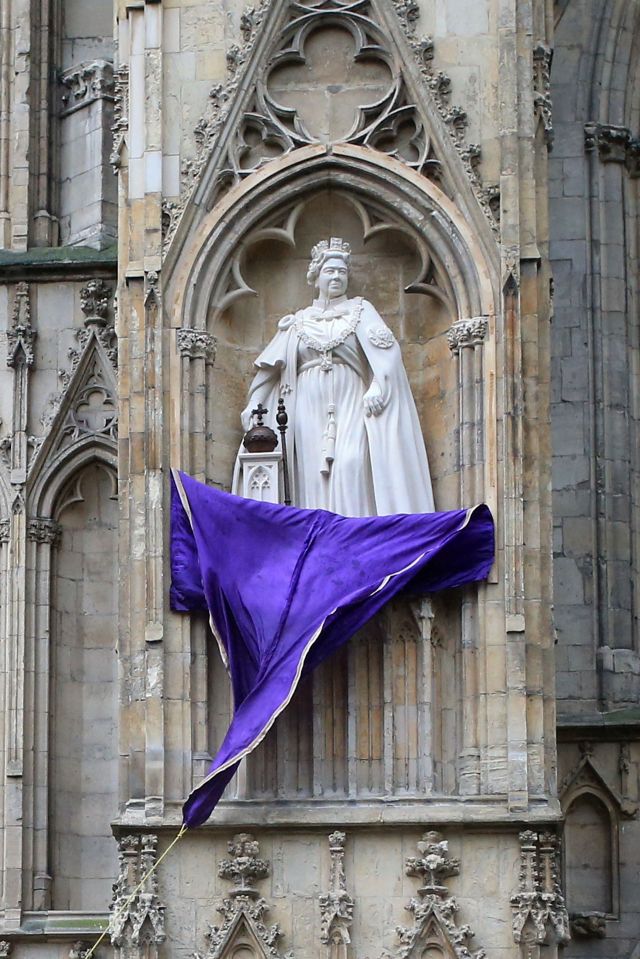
(594, 189)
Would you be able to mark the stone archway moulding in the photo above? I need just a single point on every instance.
(472, 265)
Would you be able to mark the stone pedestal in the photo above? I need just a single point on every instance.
(261, 476)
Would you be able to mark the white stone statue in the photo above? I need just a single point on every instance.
(354, 441)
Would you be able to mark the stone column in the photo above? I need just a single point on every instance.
(466, 338)
(44, 535)
(20, 358)
(197, 350)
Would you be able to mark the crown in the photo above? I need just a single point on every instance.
(325, 247)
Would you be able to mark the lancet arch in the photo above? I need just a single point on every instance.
(60, 471)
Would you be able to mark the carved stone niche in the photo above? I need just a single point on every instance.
(416, 258)
(394, 268)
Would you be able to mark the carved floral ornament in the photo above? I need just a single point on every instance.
(44, 530)
(243, 911)
(467, 333)
(196, 344)
(243, 131)
(435, 909)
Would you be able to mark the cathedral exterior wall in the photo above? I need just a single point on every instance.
(160, 190)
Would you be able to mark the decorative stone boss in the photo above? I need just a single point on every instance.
(355, 444)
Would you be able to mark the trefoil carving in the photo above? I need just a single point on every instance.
(243, 911)
(336, 906)
(141, 920)
(434, 909)
(539, 911)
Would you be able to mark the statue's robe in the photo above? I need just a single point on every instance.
(393, 476)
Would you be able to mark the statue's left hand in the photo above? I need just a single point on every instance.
(373, 401)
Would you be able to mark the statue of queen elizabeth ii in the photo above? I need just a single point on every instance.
(355, 445)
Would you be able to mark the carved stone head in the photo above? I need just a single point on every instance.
(335, 248)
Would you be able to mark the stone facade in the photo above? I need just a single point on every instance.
(463, 780)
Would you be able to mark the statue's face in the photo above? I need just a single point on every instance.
(333, 278)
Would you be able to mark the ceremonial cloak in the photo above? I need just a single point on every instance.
(395, 451)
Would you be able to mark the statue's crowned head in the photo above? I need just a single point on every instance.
(335, 248)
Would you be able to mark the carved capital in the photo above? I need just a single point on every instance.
(466, 333)
(5, 530)
(86, 83)
(44, 530)
(196, 344)
(21, 335)
(614, 144)
(5, 948)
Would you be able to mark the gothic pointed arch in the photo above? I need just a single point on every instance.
(210, 265)
(83, 425)
(282, 97)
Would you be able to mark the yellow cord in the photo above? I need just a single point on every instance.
(135, 892)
